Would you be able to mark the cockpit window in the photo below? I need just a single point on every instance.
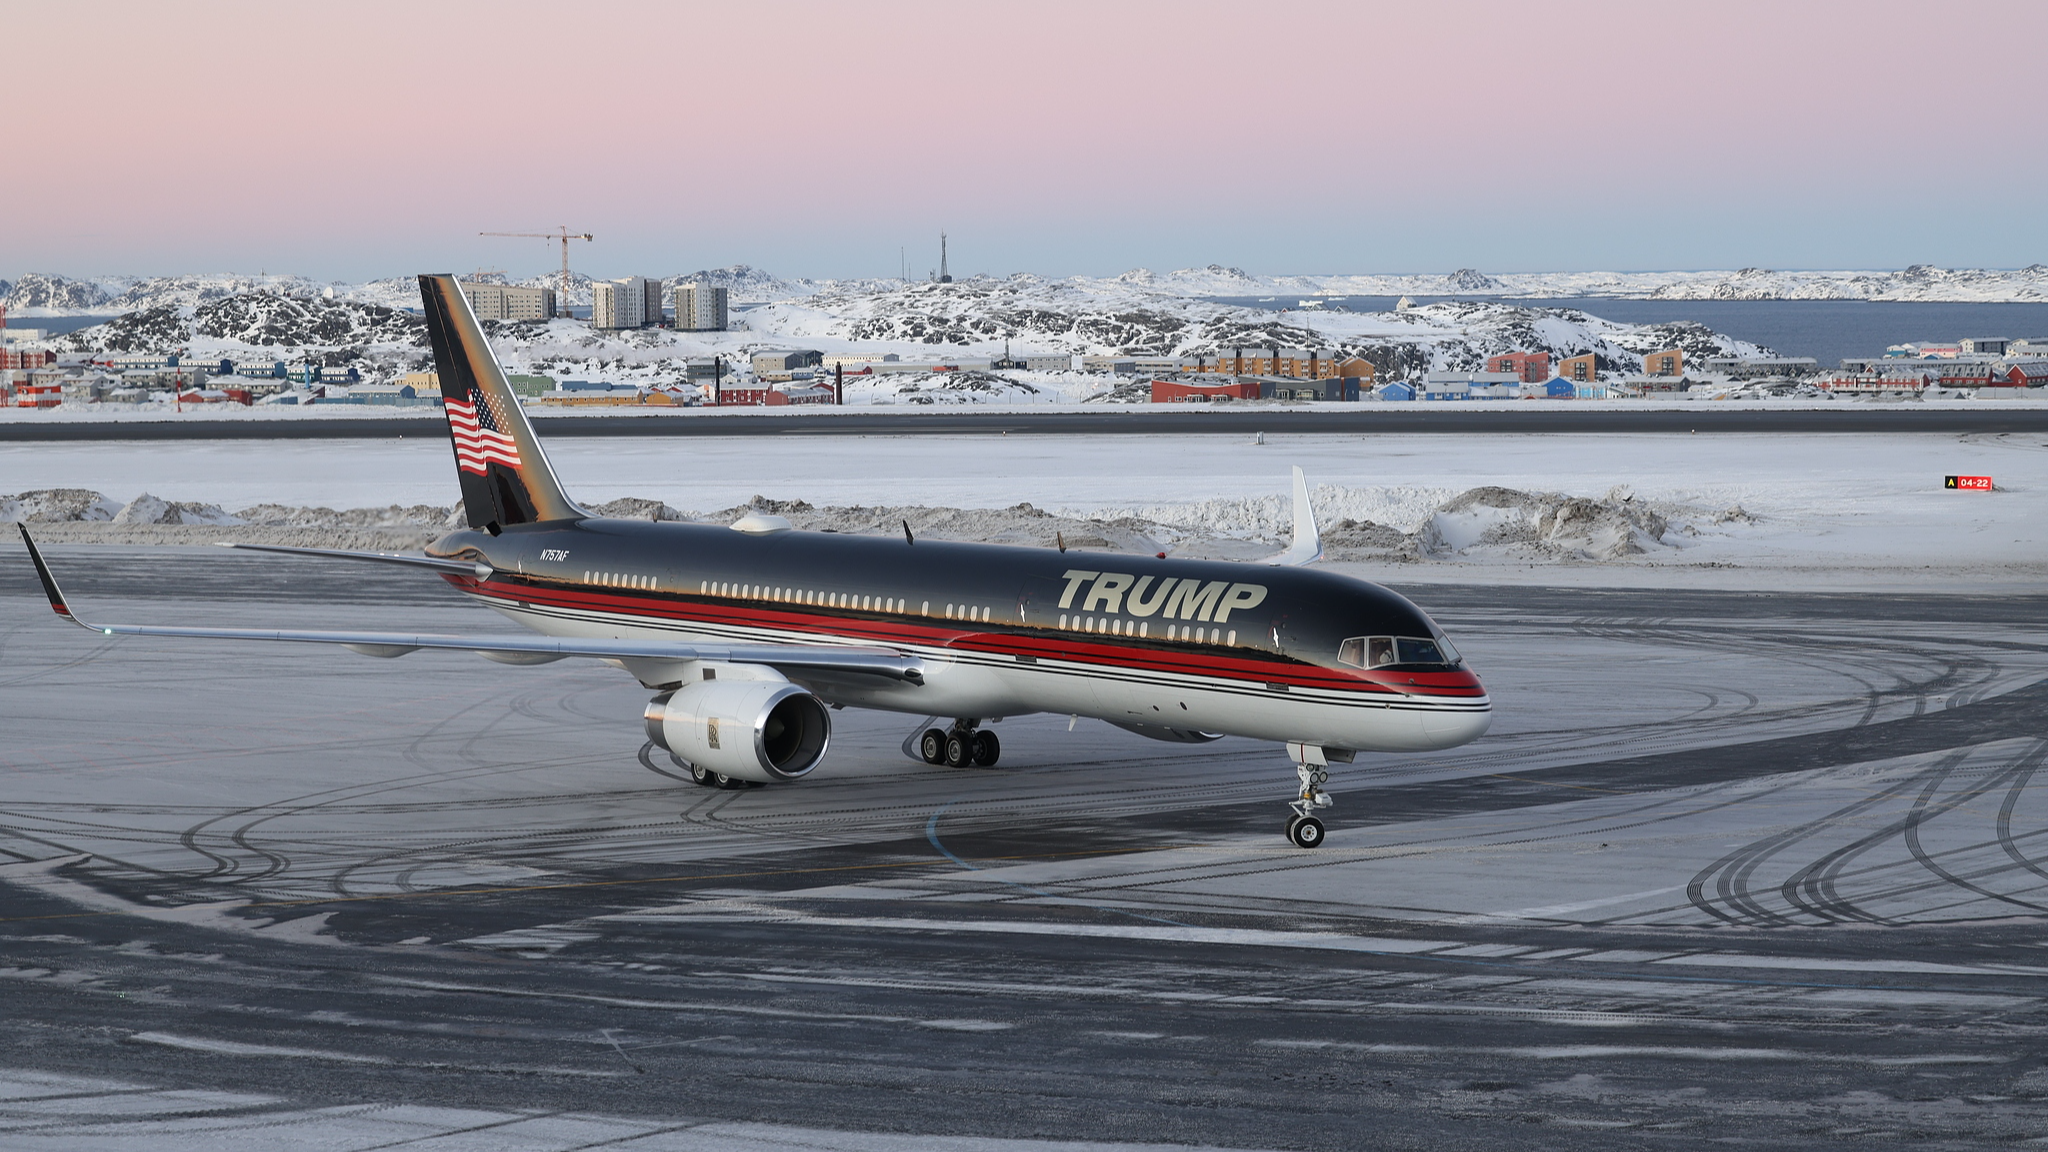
(1386, 651)
(1420, 651)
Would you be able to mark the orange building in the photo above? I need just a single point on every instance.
(1670, 362)
(1579, 369)
(1293, 363)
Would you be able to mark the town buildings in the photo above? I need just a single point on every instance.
(628, 302)
(509, 301)
(701, 307)
(1295, 363)
(1670, 362)
(1757, 367)
(1527, 367)
(782, 364)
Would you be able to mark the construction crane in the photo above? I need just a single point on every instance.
(563, 234)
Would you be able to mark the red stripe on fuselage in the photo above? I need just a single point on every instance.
(1157, 656)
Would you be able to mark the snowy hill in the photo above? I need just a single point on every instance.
(1919, 283)
(38, 294)
(1127, 315)
(979, 317)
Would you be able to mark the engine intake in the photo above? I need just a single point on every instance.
(763, 730)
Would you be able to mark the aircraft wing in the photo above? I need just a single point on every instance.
(823, 659)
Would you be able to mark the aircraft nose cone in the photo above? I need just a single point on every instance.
(1450, 729)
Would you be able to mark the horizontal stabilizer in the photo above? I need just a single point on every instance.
(465, 567)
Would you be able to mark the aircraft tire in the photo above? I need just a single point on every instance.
(958, 751)
(721, 780)
(1305, 832)
(987, 749)
(702, 776)
(932, 746)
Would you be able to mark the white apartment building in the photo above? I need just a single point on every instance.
(509, 301)
(628, 302)
(618, 303)
(700, 307)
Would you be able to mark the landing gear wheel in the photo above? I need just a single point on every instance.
(1305, 831)
(932, 746)
(702, 776)
(721, 780)
(987, 749)
(958, 751)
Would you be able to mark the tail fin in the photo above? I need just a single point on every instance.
(505, 476)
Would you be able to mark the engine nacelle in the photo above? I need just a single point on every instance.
(757, 729)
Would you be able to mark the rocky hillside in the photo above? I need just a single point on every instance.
(267, 320)
(38, 293)
(1921, 282)
(1126, 318)
(54, 293)
(254, 319)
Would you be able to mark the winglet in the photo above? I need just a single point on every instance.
(1308, 543)
(50, 588)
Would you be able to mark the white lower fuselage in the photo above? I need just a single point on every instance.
(963, 680)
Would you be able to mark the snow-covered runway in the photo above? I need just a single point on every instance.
(1707, 841)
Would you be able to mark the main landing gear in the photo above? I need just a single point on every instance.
(1311, 764)
(963, 744)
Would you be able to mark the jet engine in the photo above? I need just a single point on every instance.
(765, 730)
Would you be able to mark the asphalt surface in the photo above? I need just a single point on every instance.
(1753, 868)
(1985, 418)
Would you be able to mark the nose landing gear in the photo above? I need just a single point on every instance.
(1311, 764)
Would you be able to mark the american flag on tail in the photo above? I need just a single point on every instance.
(479, 442)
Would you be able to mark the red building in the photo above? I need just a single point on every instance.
(1965, 374)
(2026, 374)
(1528, 367)
(1179, 392)
(772, 397)
(14, 360)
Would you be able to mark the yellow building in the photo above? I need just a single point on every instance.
(1579, 369)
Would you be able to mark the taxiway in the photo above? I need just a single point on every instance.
(1760, 867)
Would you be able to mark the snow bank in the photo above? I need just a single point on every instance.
(1483, 522)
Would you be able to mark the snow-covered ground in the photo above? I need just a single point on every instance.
(1722, 510)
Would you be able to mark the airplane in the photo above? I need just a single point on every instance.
(752, 633)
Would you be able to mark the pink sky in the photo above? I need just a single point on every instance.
(352, 139)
